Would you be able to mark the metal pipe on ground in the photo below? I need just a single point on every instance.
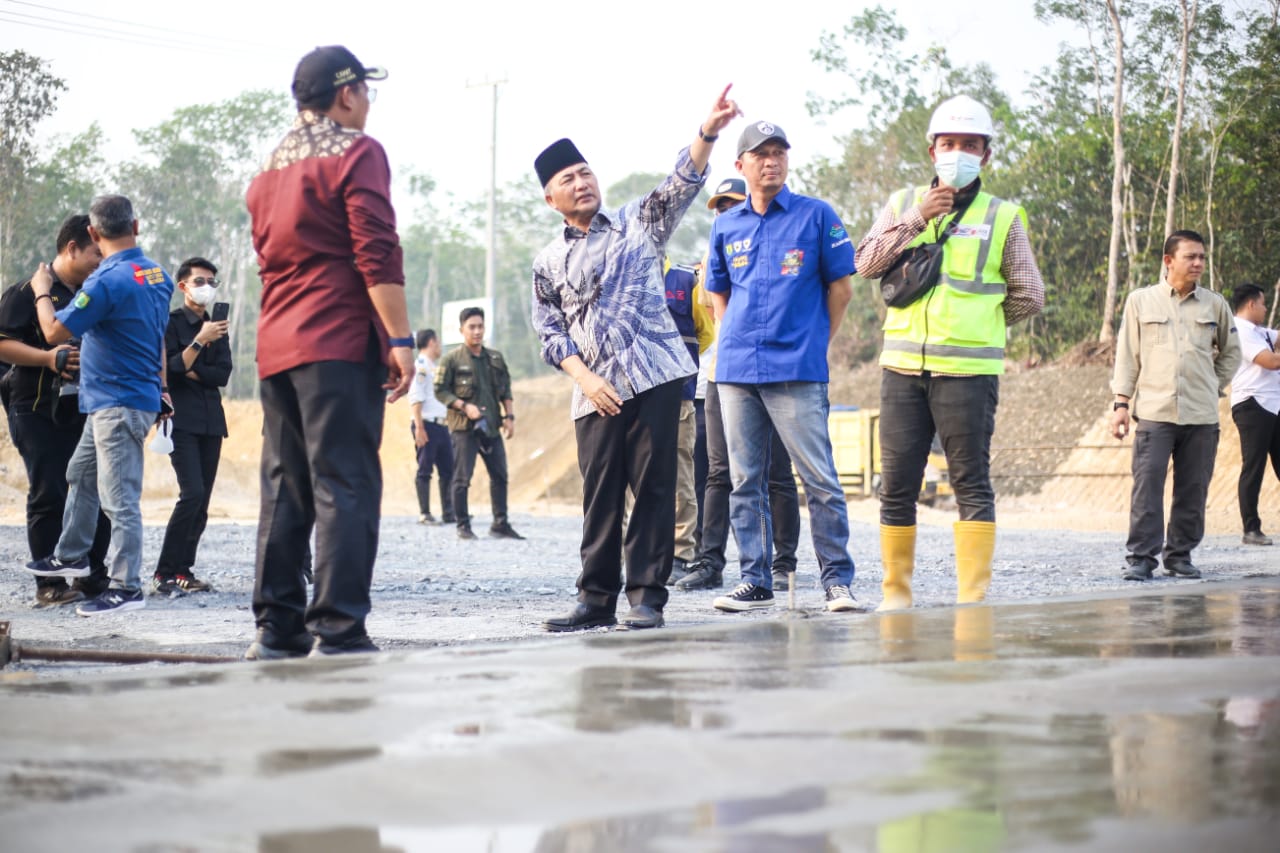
(12, 652)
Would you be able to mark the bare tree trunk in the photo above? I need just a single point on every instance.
(1107, 333)
(1171, 199)
(1132, 268)
(1093, 56)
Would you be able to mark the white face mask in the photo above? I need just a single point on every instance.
(204, 294)
(957, 168)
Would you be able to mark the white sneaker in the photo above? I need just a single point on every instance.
(840, 600)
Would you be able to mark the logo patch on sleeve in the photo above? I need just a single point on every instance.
(81, 300)
(792, 261)
(152, 275)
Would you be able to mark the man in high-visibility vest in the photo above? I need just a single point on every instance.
(943, 353)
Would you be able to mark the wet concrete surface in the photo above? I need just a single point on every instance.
(1130, 722)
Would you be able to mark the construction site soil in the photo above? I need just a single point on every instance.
(1062, 483)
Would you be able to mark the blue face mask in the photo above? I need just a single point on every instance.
(957, 168)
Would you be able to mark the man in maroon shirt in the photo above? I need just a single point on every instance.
(333, 333)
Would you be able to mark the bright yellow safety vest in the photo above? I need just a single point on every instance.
(958, 327)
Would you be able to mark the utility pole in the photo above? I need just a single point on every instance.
(491, 248)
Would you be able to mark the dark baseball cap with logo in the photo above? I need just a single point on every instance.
(730, 188)
(757, 134)
(328, 68)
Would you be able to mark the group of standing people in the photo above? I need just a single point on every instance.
(334, 345)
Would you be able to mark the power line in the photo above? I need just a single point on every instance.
(135, 32)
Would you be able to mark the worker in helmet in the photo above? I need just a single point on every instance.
(944, 352)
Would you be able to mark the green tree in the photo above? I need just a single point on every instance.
(30, 94)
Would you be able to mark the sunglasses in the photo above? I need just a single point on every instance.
(200, 281)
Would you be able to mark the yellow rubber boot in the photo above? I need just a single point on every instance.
(898, 554)
(975, 545)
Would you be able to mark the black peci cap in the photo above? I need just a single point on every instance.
(560, 154)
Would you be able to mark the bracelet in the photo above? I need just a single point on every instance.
(43, 296)
(400, 342)
(164, 389)
(706, 138)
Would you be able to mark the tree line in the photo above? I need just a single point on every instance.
(1164, 117)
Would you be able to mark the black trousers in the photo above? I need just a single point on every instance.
(195, 462)
(1193, 448)
(436, 453)
(46, 448)
(322, 424)
(1259, 441)
(962, 410)
(465, 449)
(635, 449)
(699, 463)
(784, 500)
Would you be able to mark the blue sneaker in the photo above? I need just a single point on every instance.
(52, 567)
(113, 601)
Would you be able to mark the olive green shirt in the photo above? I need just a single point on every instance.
(1175, 355)
(480, 379)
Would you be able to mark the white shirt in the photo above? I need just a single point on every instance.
(423, 390)
(1252, 380)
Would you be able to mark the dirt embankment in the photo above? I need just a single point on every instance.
(1053, 461)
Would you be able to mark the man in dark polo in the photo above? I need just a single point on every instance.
(199, 354)
(42, 403)
(475, 386)
(333, 338)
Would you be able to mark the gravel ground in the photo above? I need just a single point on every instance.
(432, 589)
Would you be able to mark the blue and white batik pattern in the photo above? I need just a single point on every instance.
(600, 295)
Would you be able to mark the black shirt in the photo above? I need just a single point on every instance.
(197, 404)
(31, 389)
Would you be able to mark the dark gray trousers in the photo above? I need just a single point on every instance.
(1192, 447)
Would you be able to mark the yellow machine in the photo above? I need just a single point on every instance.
(855, 444)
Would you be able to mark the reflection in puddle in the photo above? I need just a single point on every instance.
(282, 761)
(337, 705)
(67, 781)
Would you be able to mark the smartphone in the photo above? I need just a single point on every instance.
(220, 311)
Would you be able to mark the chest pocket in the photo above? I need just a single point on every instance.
(1154, 328)
(464, 383)
(1204, 333)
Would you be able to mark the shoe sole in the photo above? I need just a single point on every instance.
(640, 626)
(695, 586)
(257, 651)
(841, 606)
(128, 605)
(584, 626)
(729, 605)
(1186, 576)
(60, 573)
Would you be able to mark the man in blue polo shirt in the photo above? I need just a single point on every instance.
(120, 315)
(779, 269)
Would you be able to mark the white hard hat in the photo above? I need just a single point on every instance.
(960, 114)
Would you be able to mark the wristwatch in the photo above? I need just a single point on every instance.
(1117, 406)
(400, 342)
(197, 346)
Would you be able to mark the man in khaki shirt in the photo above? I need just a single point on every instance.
(1177, 352)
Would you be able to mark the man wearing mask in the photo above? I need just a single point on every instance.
(43, 408)
(944, 353)
(199, 355)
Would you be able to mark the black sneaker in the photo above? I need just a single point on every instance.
(269, 647)
(166, 585)
(426, 518)
(1255, 537)
(465, 532)
(745, 596)
(1137, 572)
(52, 567)
(840, 600)
(1181, 569)
(355, 646)
(703, 576)
(113, 601)
(680, 568)
(57, 596)
(504, 531)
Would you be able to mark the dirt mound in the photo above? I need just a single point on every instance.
(1053, 461)
(1087, 353)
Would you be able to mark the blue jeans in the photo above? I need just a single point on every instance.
(798, 412)
(106, 470)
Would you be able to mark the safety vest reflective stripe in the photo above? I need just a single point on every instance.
(943, 350)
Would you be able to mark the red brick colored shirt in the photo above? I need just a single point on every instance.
(324, 231)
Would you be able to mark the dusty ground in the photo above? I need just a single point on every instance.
(1064, 499)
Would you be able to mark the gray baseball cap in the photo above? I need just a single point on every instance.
(758, 134)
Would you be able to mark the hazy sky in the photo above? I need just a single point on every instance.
(629, 86)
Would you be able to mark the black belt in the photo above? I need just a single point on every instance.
(440, 421)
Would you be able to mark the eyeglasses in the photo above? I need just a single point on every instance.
(372, 93)
(200, 281)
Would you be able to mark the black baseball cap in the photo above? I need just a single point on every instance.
(758, 134)
(327, 68)
(734, 188)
